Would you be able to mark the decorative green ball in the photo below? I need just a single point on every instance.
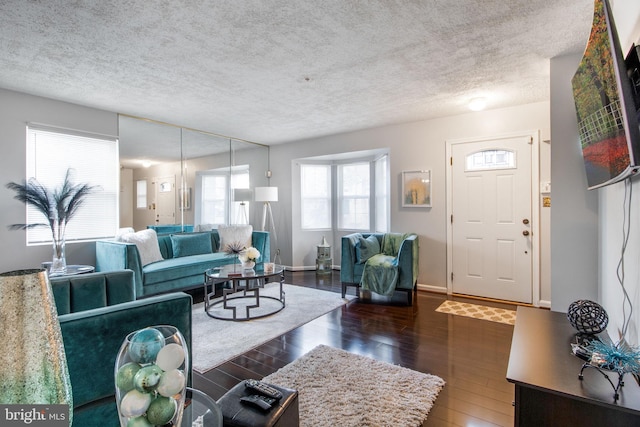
(139, 422)
(147, 378)
(124, 377)
(145, 345)
(161, 410)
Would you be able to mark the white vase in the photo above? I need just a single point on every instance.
(248, 265)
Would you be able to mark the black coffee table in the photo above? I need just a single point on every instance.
(241, 292)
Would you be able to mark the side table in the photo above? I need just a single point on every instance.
(545, 373)
(72, 269)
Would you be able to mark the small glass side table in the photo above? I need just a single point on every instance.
(200, 410)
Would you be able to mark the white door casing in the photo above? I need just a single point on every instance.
(165, 200)
(493, 214)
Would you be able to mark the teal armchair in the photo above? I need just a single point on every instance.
(380, 262)
(96, 312)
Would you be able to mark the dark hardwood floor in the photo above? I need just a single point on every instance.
(470, 355)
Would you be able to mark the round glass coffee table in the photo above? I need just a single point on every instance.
(244, 296)
(200, 410)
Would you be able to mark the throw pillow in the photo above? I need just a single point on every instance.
(123, 231)
(147, 243)
(234, 235)
(366, 248)
(190, 244)
(203, 227)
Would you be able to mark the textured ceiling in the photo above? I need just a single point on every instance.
(274, 71)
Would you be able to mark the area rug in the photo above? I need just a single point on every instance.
(492, 314)
(338, 388)
(217, 341)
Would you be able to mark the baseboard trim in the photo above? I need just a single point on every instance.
(432, 288)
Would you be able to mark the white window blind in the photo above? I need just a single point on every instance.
(353, 196)
(141, 194)
(94, 161)
(213, 205)
(315, 196)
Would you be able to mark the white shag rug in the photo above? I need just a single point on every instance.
(338, 388)
(216, 341)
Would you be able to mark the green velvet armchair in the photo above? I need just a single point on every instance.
(380, 262)
(96, 312)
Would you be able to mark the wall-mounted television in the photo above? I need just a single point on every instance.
(607, 116)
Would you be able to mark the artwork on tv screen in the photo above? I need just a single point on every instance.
(607, 123)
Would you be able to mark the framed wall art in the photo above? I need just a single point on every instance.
(416, 189)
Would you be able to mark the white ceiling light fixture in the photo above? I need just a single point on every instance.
(146, 163)
(478, 104)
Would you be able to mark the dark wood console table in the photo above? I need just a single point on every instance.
(545, 373)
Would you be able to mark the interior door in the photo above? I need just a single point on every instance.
(166, 200)
(491, 219)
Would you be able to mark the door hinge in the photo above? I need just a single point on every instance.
(451, 161)
(452, 276)
(531, 140)
(451, 218)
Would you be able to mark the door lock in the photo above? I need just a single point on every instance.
(525, 221)
(525, 233)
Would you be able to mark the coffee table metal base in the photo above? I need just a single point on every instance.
(242, 294)
(226, 303)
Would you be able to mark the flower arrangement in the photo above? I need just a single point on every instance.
(249, 254)
(234, 248)
(58, 206)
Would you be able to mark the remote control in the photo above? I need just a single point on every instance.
(263, 389)
(262, 402)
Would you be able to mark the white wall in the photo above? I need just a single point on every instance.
(627, 18)
(413, 146)
(16, 109)
(574, 223)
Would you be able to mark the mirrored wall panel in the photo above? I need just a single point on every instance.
(189, 179)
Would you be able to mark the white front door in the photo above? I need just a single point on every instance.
(166, 200)
(491, 218)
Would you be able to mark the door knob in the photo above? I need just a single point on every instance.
(525, 221)
(525, 233)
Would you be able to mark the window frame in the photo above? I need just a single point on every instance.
(47, 161)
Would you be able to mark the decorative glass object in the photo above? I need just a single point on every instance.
(248, 265)
(150, 377)
(59, 261)
(33, 366)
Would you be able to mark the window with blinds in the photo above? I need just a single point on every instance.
(93, 160)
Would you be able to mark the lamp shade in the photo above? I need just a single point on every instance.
(266, 194)
(241, 194)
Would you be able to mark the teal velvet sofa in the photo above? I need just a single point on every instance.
(174, 272)
(172, 228)
(392, 260)
(96, 312)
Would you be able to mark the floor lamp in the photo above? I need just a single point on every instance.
(268, 195)
(242, 195)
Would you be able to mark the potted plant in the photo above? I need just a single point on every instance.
(58, 206)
